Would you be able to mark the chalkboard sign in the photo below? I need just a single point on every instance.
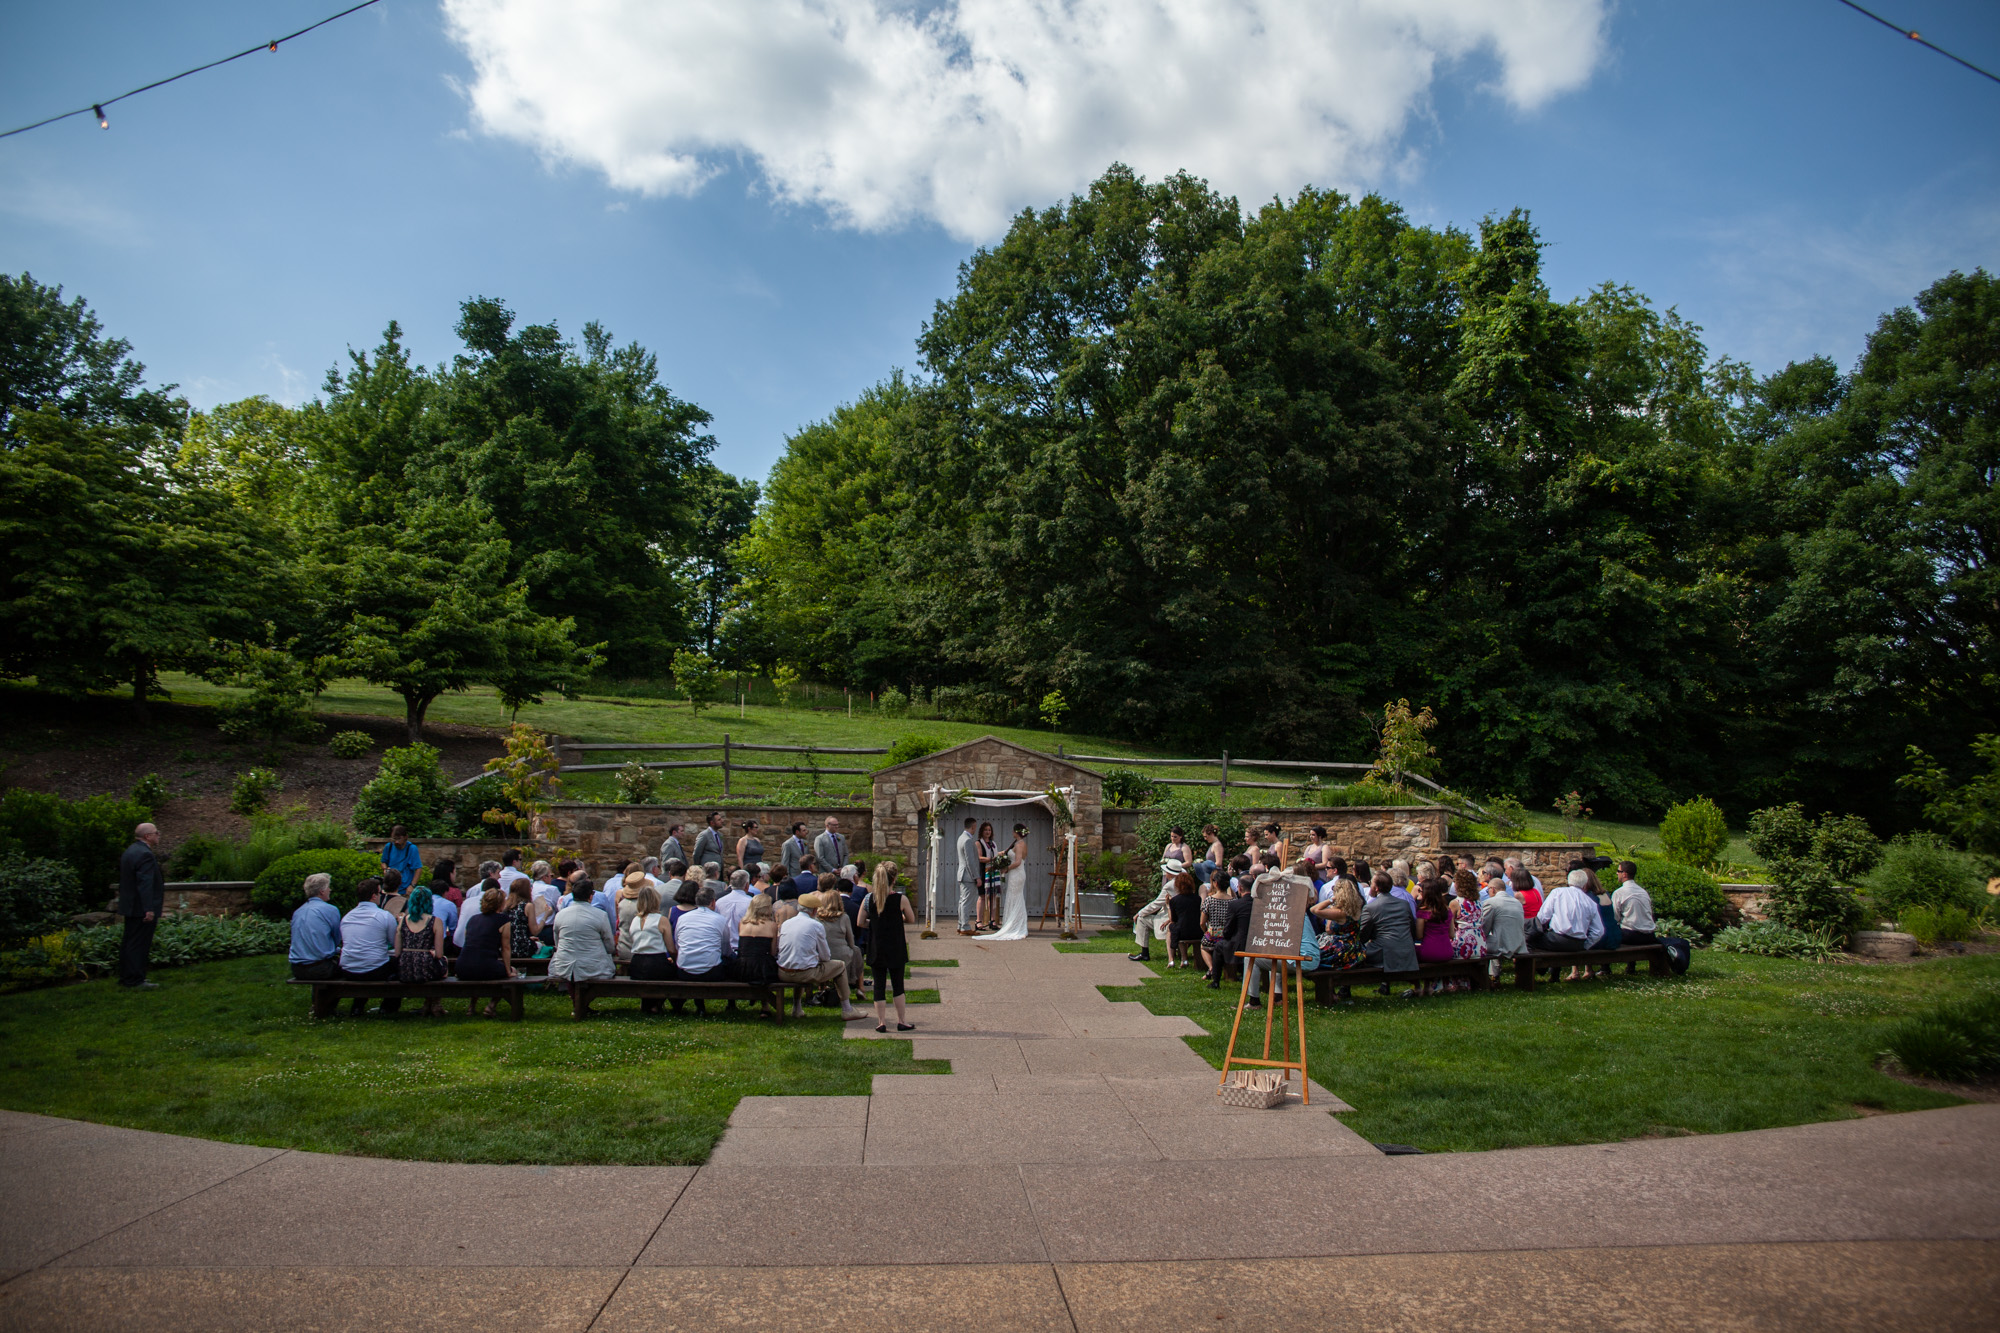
(1278, 919)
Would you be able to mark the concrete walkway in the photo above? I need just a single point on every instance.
(1072, 1173)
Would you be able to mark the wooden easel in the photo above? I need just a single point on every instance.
(1286, 976)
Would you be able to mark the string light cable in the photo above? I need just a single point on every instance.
(104, 122)
(1920, 40)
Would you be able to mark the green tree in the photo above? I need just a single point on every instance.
(54, 358)
(724, 507)
(431, 610)
(1694, 833)
(695, 676)
(1969, 811)
(281, 683)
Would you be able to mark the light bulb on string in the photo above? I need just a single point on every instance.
(103, 121)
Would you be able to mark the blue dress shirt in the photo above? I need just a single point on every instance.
(315, 931)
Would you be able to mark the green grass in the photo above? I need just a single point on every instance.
(1738, 1043)
(227, 1051)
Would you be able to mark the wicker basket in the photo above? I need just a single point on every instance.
(1259, 1089)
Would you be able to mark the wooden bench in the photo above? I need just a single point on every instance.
(1326, 980)
(326, 995)
(581, 993)
(1654, 955)
(533, 967)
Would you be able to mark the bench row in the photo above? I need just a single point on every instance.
(327, 995)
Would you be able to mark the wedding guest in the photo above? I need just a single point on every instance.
(1237, 924)
(1634, 906)
(1526, 888)
(626, 905)
(1214, 927)
(1468, 935)
(1152, 919)
(400, 855)
(1337, 921)
(749, 847)
(392, 893)
(368, 946)
(1513, 863)
(757, 944)
(883, 916)
(647, 941)
(523, 922)
(1212, 859)
(1183, 922)
(832, 917)
(1614, 934)
(510, 868)
(708, 845)
(1433, 926)
(1502, 922)
(586, 946)
(806, 955)
(703, 946)
(733, 906)
(1386, 926)
(488, 951)
(1569, 920)
(650, 868)
(670, 846)
(419, 948)
(444, 884)
(830, 847)
(142, 897)
(315, 951)
(794, 848)
(807, 880)
(489, 872)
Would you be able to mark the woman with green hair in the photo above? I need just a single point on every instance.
(420, 947)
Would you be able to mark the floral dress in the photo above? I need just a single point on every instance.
(1467, 939)
(1339, 944)
(521, 941)
(416, 965)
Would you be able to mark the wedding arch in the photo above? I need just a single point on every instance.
(1057, 801)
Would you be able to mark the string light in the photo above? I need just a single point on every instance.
(1918, 38)
(104, 122)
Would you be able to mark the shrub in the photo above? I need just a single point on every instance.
(1774, 939)
(696, 676)
(637, 784)
(37, 896)
(467, 816)
(236, 724)
(964, 703)
(1694, 833)
(1687, 895)
(150, 792)
(1928, 925)
(892, 702)
(87, 835)
(1188, 812)
(47, 958)
(1054, 708)
(180, 940)
(1957, 1042)
(905, 748)
(409, 788)
(1919, 870)
(253, 790)
(1127, 788)
(350, 744)
(281, 886)
(1808, 862)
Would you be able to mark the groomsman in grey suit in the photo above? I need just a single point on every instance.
(794, 848)
(829, 848)
(671, 849)
(968, 875)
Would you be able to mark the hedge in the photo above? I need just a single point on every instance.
(282, 885)
(1686, 894)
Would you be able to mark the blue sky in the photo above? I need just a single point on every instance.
(1782, 172)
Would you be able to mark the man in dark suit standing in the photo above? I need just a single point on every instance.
(142, 896)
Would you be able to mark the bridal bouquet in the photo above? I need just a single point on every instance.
(1001, 863)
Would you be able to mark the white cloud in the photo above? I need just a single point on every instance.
(882, 112)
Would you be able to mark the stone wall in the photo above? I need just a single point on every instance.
(1375, 833)
(984, 765)
(208, 898)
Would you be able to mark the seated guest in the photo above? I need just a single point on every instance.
(832, 917)
(368, 945)
(1513, 864)
(489, 878)
(420, 948)
(1468, 939)
(1527, 889)
(444, 883)
(1501, 921)
(627, 904)
(805, 956)
(545, 889)
(807, 879)
(650, 868)
(646, 940)
(487, 954)
(1152, 919)
(684, 897)
(1386, 929)
(392, 892)
(523, 927)
(757, 942)
(1434, 927)
(1613, 936)
(447, 913)
(1183, 922)
(702, 946)
(1399, 885)
(1569, 921)
(734, 905)
(1634, 906)
(1337, 922)
(1214, 925)
(1236, 924)
(585, 945)
(676, 872)
(315, 953)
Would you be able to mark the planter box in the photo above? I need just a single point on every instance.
(1098, 906)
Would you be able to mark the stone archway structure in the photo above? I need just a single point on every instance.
(987, 764)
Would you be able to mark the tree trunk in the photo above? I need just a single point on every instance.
(141, 682)
(414, 708)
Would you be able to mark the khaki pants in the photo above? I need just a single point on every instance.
(832, 970)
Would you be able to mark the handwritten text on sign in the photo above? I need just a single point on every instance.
(1277, 922)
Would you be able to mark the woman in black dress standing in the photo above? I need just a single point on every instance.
(884, 914)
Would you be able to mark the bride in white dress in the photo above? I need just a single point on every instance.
(1014, 906)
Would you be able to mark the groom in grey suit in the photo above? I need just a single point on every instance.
(968, 875)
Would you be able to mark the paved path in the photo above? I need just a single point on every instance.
(1072, 1173)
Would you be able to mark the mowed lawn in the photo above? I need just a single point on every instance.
(227, 1051)
(1738, 1043)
